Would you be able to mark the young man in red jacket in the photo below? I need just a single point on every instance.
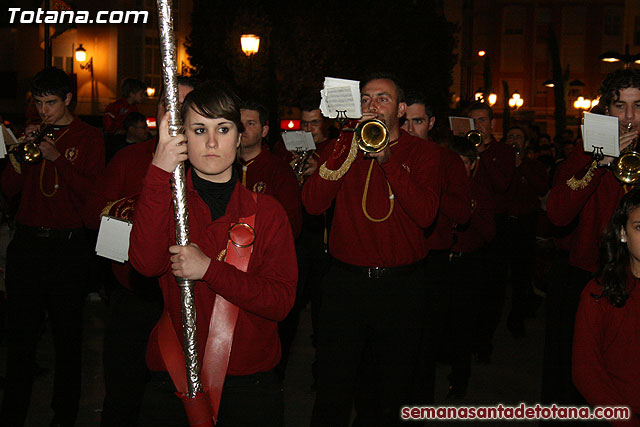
(454, 208)
(588, 192)
(494, 171)
(373, 296)
(48, 257)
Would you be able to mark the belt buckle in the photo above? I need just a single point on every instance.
(375, 272)
(43, 232)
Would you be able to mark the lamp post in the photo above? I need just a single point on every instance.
(250, 44)
(628, 59)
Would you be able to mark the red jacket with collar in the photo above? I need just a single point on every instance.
(264, 294)
(81, 160)
(455, 201)
(122, 179)
(606, 344)
(115, 113)
(268, 174)
(481, 228)
(495, 171)
(593, 205)
(530, 182)
(412, 173)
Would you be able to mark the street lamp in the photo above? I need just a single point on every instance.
(250, 44)
(516, 101)
(81, 56)
(584, 103)
(151, 91)
(490, 99)
(628, 59)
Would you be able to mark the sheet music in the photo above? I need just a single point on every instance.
(340, 95)
(6, 138)
(601, 132)
(113, 239)
(461, 125)
(298, 140)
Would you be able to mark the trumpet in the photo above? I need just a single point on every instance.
(372, 136)
(29, 152)
(299, 164)
(475, 137)
(627, 168)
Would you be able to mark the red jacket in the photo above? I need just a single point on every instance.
(530, 182)
(122, 179)
(594, 205)
(606, 344)
(115, 113)
(268, 174)
(481, 228)
(455, 201)
(413, 174)
(495, 171)
(82, 159)
(264, 294)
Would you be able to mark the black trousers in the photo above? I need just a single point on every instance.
(565, 287)
(370, 333)
(252, 400)
(132, 315)
(44, 275)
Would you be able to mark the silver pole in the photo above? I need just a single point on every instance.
(181, 213)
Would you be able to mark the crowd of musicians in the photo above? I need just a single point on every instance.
(405, 254)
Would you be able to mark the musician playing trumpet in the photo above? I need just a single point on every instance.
(588, 194)
(48, 257)
(373, 296)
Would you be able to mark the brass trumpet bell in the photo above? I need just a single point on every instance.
(475, 137)
(27, 152)
(627, 168)
(372, 136)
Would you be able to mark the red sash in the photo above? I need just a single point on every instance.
(202, 410)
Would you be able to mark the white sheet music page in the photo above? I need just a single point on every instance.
(113, 239)
(340, 95)
(461, 125)
(601, 132)
(7, 138)
(298, 140)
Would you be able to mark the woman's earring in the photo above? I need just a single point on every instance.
(623, 239)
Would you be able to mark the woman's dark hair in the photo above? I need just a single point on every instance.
(214, 100)
(616, 81)
(614, 254)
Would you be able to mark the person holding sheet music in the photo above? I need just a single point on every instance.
(263, 172)
(494, 171)
(48, 258)
(588, 192)
(373, 296)
(135, 302)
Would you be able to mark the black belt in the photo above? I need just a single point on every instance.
(49, 233)
(379, 272)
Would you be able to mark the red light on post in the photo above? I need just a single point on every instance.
(289, 124)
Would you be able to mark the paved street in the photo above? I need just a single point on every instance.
(511, 378)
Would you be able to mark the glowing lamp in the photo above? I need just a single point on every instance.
(81, 54)
(250, 44)
(289, 124)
